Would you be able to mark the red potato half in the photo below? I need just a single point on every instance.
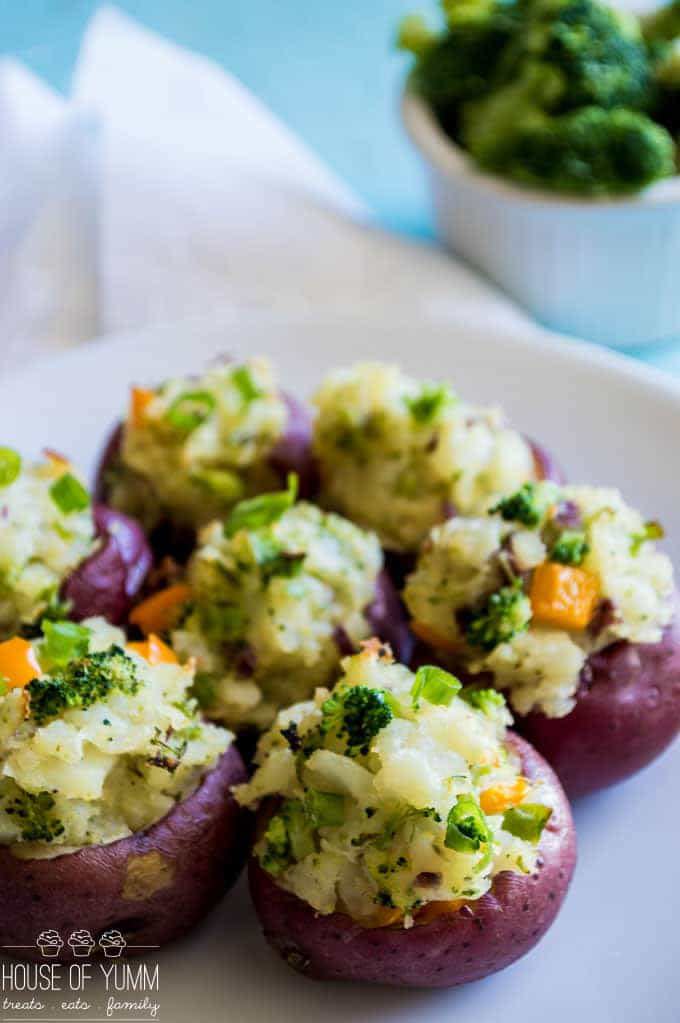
(110, 580)
(627, 712)
(152, 887)
(472, 942)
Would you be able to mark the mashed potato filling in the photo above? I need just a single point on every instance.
(99, 746)
(398, 455)
(195, 446)
(393, 794)
(527, 592)
(46, 530)
(275, 602)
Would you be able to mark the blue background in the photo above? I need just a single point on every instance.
(328, 68)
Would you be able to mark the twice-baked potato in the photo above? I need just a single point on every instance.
(406, 837)
(116, 812)
(398, 456)
(60, 555)
(275, 595)
(559, 597)
(190, 449)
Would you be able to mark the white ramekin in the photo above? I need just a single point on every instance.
(607, 270)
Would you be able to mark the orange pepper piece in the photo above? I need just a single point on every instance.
(159, 612)
(500, 798)
(154, 650)
(434, 638)
(140, 397)
(563, 595)
(433, 910)
(18, 663)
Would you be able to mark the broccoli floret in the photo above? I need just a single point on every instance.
(589, 152)
(82, 683)
(462, 64)
(598, 53)
(290, 834)
(662, 25)
(570, 548)
(527, 505)
(34, 816)
(506, 613)
(357, 714)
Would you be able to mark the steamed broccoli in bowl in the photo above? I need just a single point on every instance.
(568, 95)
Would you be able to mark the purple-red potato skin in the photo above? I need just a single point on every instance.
(293, 450)
(470, 943)
(153, 886)
(109, 580)
(388, 618)
(545, 466)
(627, 712)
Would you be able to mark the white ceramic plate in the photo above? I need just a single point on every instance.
(612, 954)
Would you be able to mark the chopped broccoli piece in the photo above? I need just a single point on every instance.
(327, 809)
(81, 683)
(466, 827)
(486, 700)
(434, 685)
(527, 821)
(527, 505)
(204, 689)
(357, 714)
(570, 548)
(33, 813)
(506, 613)
(289, 837)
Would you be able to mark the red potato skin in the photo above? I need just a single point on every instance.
(474, 941)
(388, 619)
(627, 712)
(110, 580)
(192, 856)
(545, 466)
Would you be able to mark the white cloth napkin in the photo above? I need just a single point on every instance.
(163, 190)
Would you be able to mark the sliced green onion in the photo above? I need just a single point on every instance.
(69, 494)
(434, 685)
(652, 531)
(257, 512)
(247, 387)
(63, 642)
(221, 482)
(327, 808)
(466, 827)
(527, 821)
(10, 466)
(189, 410)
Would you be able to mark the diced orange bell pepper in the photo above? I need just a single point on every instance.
(18, 663)
(159, 612)
(434, 638)
(499, 798)
(140, 398)
(434, 910)
(563, 595)
(154, 650)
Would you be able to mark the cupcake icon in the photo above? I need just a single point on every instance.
(112, 942)
(81, 943)
(50, 944)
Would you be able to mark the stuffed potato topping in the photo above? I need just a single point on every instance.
(191, 448)
(274, 596)
(58, 553)
(398, 455)
(405, 835)
(560, 598)
(115, 802)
